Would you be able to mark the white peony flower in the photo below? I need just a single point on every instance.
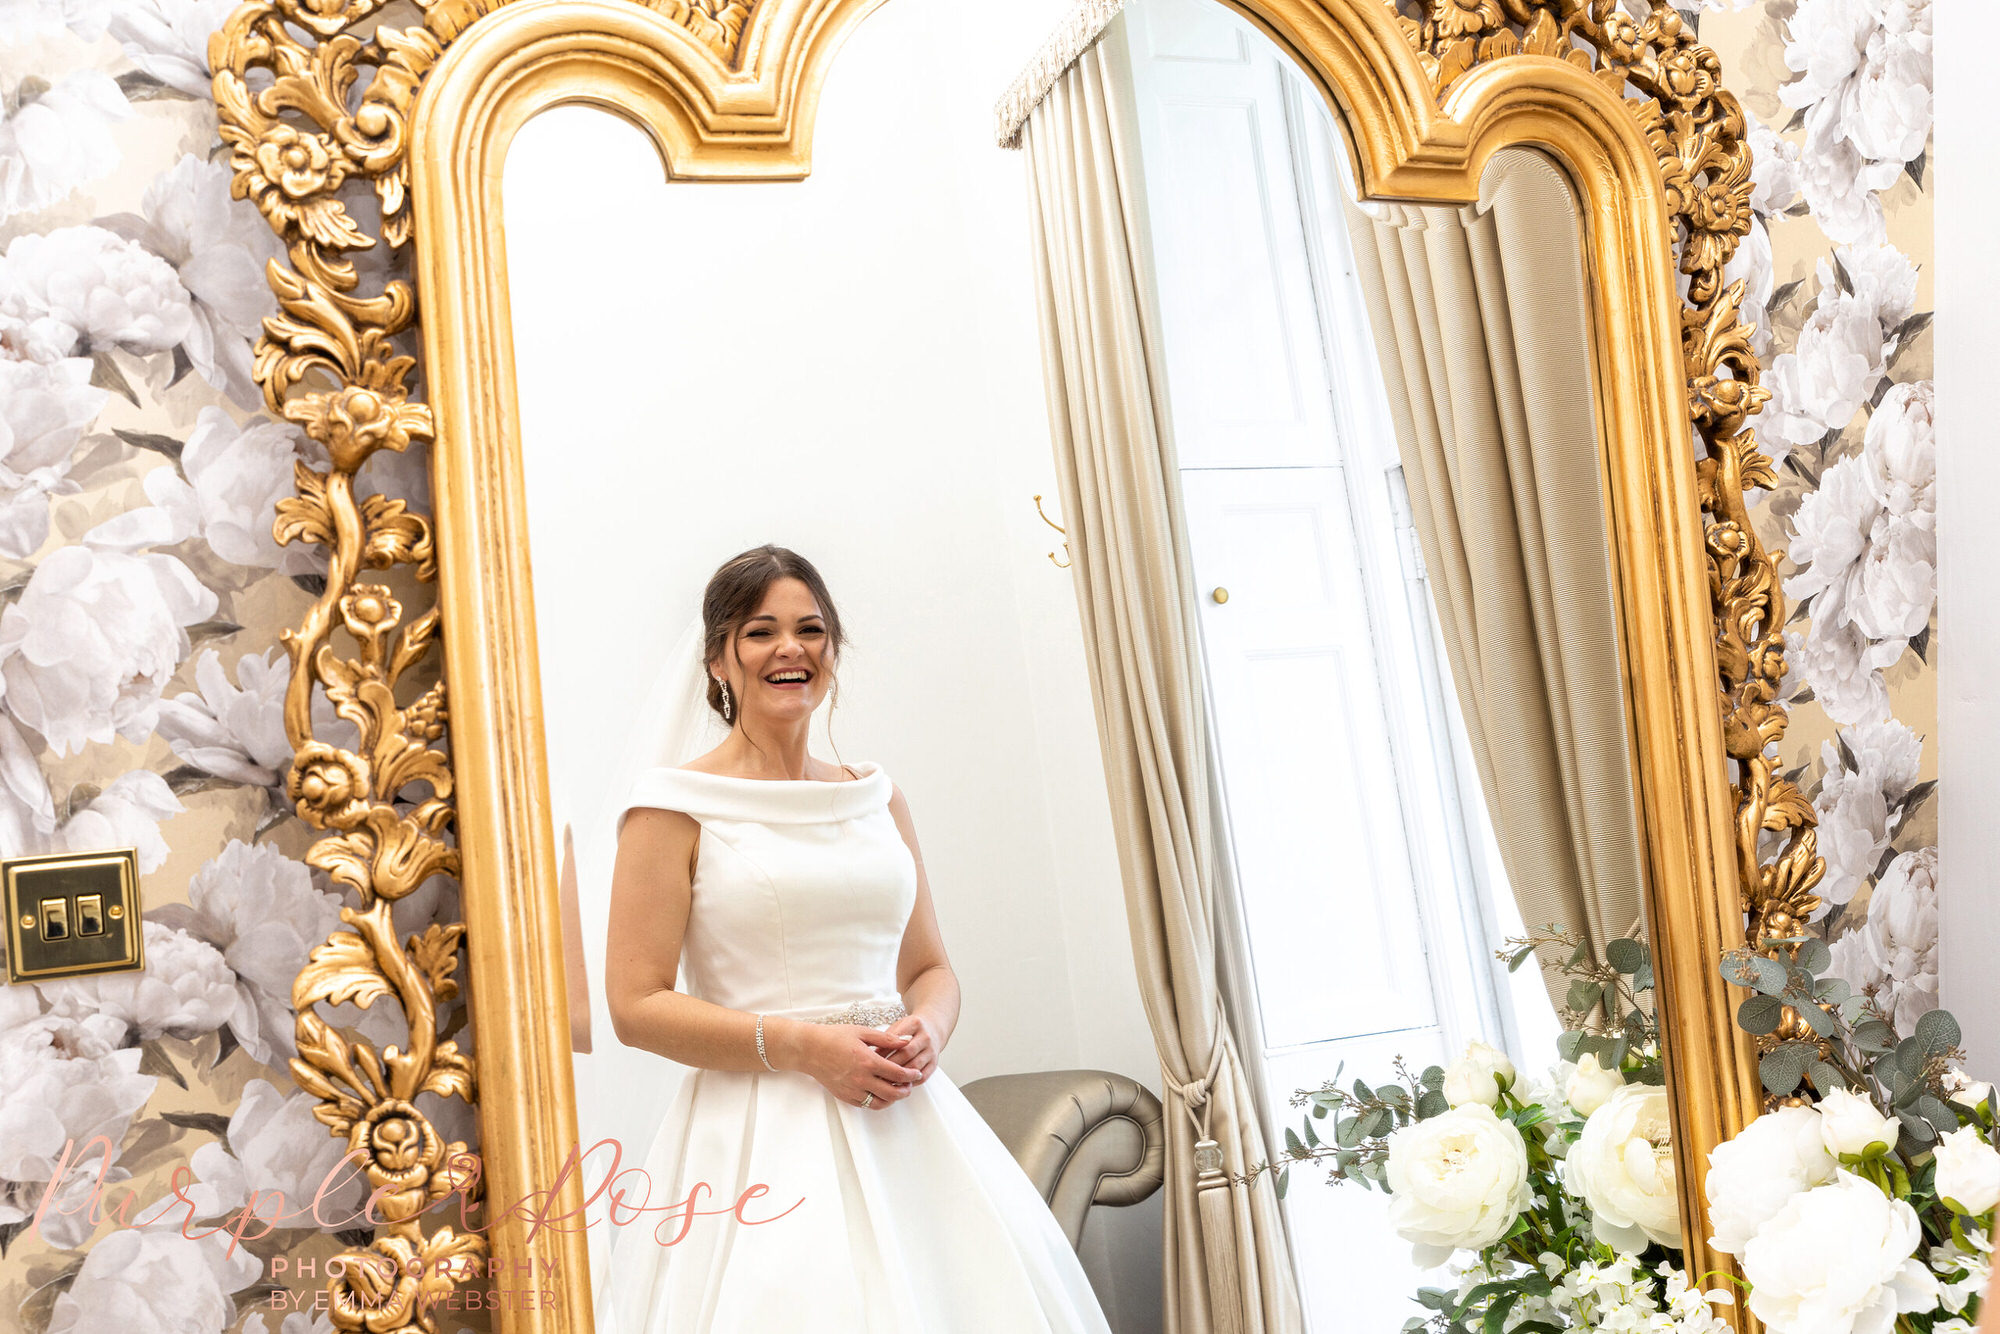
(1478, 1076)
(1458, 1180)
(1830, 372)
(1856, 806)
(1900, 452)
(44, 410)
(1830, 542)
(1623, 1166)
(1851, 1125)
(262, 910)
(1901, 937)
(83, 289)
(218, 247)
(1825, 42)
(1833, 177)
(1774, 170)
(125, 814)
(59, 140)
(92, 641)
(1753, 1176)
(1751, 265)
(1964, 1090)
(1838, 1259)
(24, 21)
(236, 475)
(276, 1147)
(1968, 1171)
(169, 39)
(233, 731)
(185, 989)
(1844, 668)
(158, 1280)
(1896, 585)
(1963, 1270)
(1591, 1086)
(63, 1081)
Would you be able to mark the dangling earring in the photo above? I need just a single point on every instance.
(726, 707)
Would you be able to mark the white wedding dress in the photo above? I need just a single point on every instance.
(909, 1219)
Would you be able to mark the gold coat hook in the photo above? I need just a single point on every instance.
(1059, 564)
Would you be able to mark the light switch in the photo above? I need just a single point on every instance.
(72, 914)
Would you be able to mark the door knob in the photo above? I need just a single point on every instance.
(1220, 595)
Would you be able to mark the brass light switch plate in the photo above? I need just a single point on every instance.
(70, 914)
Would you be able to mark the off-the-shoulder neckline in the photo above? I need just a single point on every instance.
(863, 772)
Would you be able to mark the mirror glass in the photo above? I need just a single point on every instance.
(1386, 462)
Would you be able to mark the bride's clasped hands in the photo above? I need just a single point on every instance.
(852, 1061)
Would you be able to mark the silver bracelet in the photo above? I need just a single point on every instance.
(760, 1046)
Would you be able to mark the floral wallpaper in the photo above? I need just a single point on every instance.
(1839, 267)
(141, 687)
(142, 595)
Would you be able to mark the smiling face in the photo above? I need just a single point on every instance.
(778, 666)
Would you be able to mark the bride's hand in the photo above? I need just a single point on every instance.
(920, 1053)
(843, 1058)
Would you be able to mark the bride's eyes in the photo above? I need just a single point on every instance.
(804, 630)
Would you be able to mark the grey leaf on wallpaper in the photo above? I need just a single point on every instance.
(139, 86)
(159, 444)
(104, 374)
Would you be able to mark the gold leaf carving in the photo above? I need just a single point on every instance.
(1698, 134)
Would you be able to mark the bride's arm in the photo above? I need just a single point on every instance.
(923, 973)
(652, 891)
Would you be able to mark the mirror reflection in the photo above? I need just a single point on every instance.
(832, 427)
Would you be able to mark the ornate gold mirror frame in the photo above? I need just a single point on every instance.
(1427, 90)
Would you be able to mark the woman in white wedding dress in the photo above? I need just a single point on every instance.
(816, 1001)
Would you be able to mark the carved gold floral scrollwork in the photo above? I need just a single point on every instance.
(1697, 132)
(300, 140)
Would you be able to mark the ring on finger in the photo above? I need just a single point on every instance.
(870, 1098)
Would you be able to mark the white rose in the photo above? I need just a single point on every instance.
(1966, 1091)
(92, 641)
(1850, 1125)
(1458, 1180)
(78, 290)
(1623, 1166)
(1838, 1259)
(58, 141)
(1591, 1085)
(185, 989)
(156, 1279)
(1754, 1175)
(1478, 1076)
(1968, 1171)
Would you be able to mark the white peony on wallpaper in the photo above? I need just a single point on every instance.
(141, 598)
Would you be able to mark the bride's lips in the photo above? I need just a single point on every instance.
(789, 685)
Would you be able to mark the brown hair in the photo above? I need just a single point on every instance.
(736, 590)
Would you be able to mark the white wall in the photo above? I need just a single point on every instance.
(1968, 490)
(848, 366)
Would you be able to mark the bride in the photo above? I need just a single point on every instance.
(816, 1001)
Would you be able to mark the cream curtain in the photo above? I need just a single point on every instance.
(1480, 318)
(1227, 1263)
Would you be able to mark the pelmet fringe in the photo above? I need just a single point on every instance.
(1085, 24)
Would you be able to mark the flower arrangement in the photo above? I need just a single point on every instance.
(1863, 1201)
(1563, 1194)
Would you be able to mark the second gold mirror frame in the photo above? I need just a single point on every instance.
(1426, 93)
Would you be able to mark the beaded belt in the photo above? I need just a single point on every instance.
(869, 1014)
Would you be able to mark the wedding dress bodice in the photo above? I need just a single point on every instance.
(802, 888)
